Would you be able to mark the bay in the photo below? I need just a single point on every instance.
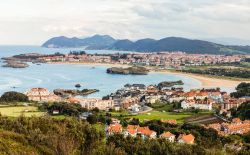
(53, 76)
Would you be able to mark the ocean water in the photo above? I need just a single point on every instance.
(54, 76)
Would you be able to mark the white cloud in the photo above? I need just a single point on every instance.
(34, 21)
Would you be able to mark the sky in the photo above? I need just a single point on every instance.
(32, 22)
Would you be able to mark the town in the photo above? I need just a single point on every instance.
(139, 98)
(165, 60)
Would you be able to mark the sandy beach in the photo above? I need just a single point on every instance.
(209, 82)
(206, 81)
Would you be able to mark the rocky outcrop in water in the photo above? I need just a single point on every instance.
(135, 70)
(15, 64)
(170, 84)
(74, 92)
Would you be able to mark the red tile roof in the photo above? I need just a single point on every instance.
(166, 135)
(115, 128)
(187, 138)
(145, 131)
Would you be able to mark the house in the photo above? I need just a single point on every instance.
(197, 104)
(169, 136)
(216, 96)
(153, 98)
(55, 112)
(186, 139)
(230, 103)
(145, 132)
(151, 90)
(237, 126)
(201, 95)
(129, 101)
(115, 121)
(91, 103)
(187, 104)
(72, 100)
(114, 129)
(134, 108)
(131, 130)
(203, 104)
(175, 98)
(140, 87)
(190, 95)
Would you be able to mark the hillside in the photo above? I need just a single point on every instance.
(94, 42)
(99, 42)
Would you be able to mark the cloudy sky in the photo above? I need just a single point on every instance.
(34, 21)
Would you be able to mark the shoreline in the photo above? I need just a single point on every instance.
(206, 82)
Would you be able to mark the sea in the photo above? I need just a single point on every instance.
(65, 76)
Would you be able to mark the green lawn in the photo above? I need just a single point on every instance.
(163, 115)
(59, 116)
(17, 111)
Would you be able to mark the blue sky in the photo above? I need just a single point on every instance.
(35, 21)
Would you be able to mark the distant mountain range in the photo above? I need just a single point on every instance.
(101, 42)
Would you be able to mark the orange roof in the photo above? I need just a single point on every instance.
(72, 100)
(167, 135)
(187, 138)
(236, 120)
(202, 93)
(145, 131)
(132, 129)
(170, 121)
(190, 94)
(115, 128)
(152, 91)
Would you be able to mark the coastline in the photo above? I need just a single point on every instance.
(206, 81)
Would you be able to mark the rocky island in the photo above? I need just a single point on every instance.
(74, 92)
(15, 64)
(135, 70)
(170, 84)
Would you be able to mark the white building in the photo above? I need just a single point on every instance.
(169, 136)
(197, 104)
(96, 103)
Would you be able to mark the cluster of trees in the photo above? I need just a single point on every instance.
(77, 52)
(243, 89)
(243, 111)
(13, 97)
(44, 135)
(63, 108)
(238, 73)
(207, 141)
(119, 56)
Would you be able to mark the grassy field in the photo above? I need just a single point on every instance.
(17, 111)
(157, 115)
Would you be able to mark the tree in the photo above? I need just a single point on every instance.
(243, 111)
(14, 97)
(243, 89)
(92, 119)
(96, 110)
(63, 108)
